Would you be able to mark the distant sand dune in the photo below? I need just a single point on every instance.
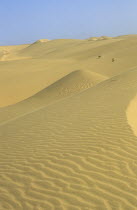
(42, 40)
(27, 69)
(9, 52)
(99, 38)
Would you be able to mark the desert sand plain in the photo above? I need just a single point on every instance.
(68, 124)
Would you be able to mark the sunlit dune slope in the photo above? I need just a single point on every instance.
(99, 38)
(26, 70)
(72, 83)
(78, 153)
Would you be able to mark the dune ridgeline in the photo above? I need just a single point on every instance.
(68, 124)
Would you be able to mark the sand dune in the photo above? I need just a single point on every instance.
(79, 153)
(9, 52)
(71, 84)
(68, 128)
(42, 40)
(99, 38)
(34, 67)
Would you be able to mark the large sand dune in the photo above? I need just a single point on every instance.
(71, 84)
(71, 141)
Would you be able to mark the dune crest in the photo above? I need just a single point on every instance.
(42, 40)
(99, 38)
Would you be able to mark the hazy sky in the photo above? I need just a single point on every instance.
(24, 21)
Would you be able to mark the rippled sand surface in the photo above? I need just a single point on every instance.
(68, 128)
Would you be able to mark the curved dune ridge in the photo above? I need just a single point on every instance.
(78, 153)
(132, 114)
(71, 84)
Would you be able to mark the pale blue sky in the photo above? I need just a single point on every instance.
(25, 21)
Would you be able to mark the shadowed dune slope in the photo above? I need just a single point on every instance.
(72, 83)
(79, 153)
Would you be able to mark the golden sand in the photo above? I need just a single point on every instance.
(68, 128)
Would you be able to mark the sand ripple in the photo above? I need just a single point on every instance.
(79, 153)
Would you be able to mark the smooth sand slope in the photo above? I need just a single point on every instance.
(35, 67)
(71, 84)
(79, 153)
(9, 52)
(68, 128)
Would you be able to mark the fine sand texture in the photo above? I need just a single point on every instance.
(68, 128)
